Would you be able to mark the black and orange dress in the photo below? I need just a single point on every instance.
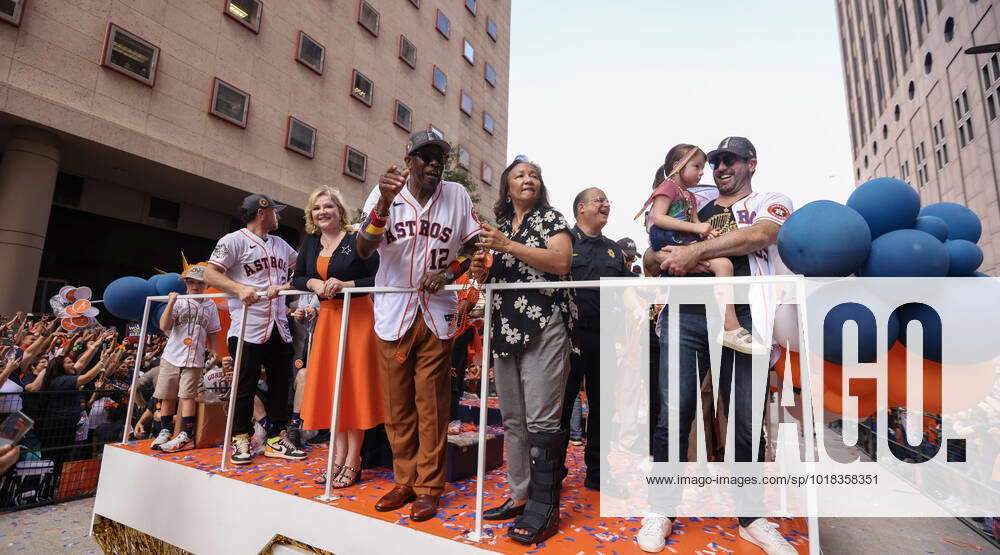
(361, 397)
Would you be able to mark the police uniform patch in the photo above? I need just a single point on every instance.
(611, 253)
(778, 211)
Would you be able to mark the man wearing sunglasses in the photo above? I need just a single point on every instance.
(424, 229)
(748, 223)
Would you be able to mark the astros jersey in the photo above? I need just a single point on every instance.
(420, 239)
(193, 320)
(250, 260)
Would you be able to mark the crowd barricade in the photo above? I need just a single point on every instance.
(61, 455)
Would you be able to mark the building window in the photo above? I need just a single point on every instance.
(874, 148)
(949, 29)
(488, 123)
(911, 90)
(464, 158)
(12, 11)
(443, 25)
(928, 63)
(130, 55)
(940, 146)
(491, 28)
(440, 80)
(407, 52)
(896, 113)
(471, 6)
(230, 103)
(165, 212)
(466, 104)
(435, 130)
(355, 163)
(468, 52)
(246, 12)
(963, 119)
(885, 131)
(992, 93)
(904, 171)
(403, 116)
(362, 88)
(490, 75)
(486, 173)
(921, 162)
(310, 53)
(301, 138)
(368, 17)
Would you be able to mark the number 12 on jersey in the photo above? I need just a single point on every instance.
(438, 259)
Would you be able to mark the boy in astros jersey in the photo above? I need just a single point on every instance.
(188, 322)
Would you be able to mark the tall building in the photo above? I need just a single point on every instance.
(920, 108)
(130, 130)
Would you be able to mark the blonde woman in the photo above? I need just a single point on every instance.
(328, 262)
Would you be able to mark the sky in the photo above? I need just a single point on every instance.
(600, 91)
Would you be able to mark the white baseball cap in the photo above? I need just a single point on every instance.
(195, 272)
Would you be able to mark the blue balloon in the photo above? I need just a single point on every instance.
(979, 274)
(824, 239)
(931, 324)
(833, 324)
(887, 204)
(906, 253)
(965, 257)
(962, 222)
(933, 225)
(155, 311)
(126, 297)
(164, 284)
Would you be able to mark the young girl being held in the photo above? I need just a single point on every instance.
(673, 220)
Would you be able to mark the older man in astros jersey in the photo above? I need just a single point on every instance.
(243, 263)
(423, 229)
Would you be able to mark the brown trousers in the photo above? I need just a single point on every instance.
(416, 389)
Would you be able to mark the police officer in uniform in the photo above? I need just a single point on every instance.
(594, 256)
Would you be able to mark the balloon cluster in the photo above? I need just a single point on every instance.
(73, 306)
(125, 297)
(882, 231)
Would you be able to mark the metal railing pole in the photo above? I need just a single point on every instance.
(484, 396)
(230, 414)
(135, 371)
(335, 411)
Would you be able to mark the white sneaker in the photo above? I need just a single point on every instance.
(182, 442)
(652, 537)
(765, 535)
(743, 341)
(160, 439)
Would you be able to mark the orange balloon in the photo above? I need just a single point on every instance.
(81, 321)
(220, 302)
(68, 325)
(966, 386)
(81, 306)
(865, 389)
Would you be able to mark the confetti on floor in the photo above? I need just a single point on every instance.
(582, 530)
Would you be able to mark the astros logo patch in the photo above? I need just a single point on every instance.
(778, 211)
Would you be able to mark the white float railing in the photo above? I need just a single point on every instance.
(487, 293)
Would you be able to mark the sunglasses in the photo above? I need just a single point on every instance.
(726, 159)
(428, 155)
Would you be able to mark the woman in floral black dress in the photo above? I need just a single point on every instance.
(530, 340)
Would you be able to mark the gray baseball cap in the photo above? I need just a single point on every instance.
(423, 138)
(740, 146)
(254, 202)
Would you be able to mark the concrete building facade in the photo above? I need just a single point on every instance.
(922, 110)
(130, 130)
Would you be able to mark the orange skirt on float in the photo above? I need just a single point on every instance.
(361, 399)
